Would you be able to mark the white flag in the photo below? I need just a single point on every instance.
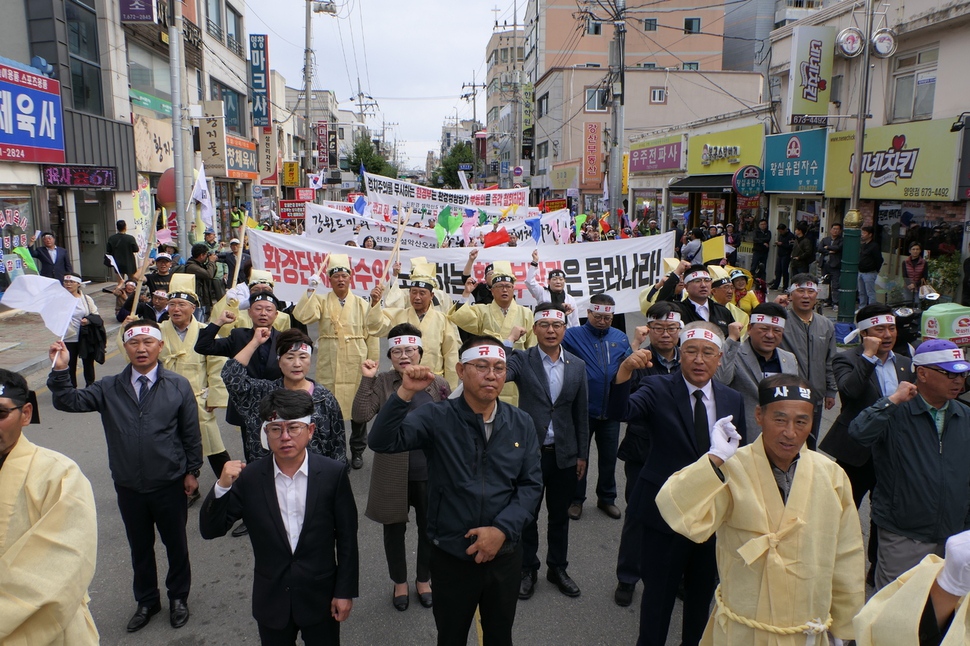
(44, 296)
(200, 195)
(315, 180)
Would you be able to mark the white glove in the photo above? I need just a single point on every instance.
(955, 575)
(239, 293)
(313, 283)
(724, 438)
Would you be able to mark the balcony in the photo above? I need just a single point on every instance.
(787, 11)
(214, 30)
(235, 46)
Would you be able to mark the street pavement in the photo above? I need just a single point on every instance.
(222, 569)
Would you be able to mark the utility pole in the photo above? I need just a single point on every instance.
(175, 71)
(618, 77)
(516, 147)
(473, 97)
(307, 82)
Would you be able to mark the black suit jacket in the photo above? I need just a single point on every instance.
(858, 390)
(266, 368)
(663, 404)
(325, 563)
(569, 413)
(52, 268)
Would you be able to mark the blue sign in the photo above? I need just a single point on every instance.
(465, 167)
(31, 125)
(795, 162)
(505, 168)
(259, 79)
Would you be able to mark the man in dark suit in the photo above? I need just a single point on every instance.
(698, 306)
(864, 375)
(122, 247)
(683, 408)
(54, 262)
(303, 527)
(553, 391)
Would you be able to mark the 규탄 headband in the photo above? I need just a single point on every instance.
(138, 330)
(487, 351)
(599, 308)
(777, 321)
(400, 341)
(696, 275)
(702, 334)
(865, 324)
(807, 285)
(553, 314)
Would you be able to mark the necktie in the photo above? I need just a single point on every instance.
(143, 387)
(702, 433)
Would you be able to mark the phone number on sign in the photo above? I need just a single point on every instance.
(12, 153)
(926, 192)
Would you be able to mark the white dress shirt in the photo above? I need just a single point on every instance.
(152, 378)
(708, 391)
(555, 373)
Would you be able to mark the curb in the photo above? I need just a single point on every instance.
(31, 367)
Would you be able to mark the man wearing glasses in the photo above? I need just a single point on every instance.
(484, 484)
(920, 440)
(698, 306)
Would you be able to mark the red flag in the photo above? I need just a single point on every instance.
(542, 205)
(496, 238)
(604, 226)
(623, 234)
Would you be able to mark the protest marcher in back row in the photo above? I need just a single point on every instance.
(555, 292)
(698, 306)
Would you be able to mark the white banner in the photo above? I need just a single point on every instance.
(554, 227)
(425, 202)
(621, 268)
(332, 225)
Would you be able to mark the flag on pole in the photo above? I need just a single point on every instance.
(315, 181)
(450, 221)
(44, 296)
(200, 195)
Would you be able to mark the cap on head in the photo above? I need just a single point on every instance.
(942, 354)
(234, 241)
(502, 272)
(182, 286)
(338, 262)
(14, 387)
(260, 276)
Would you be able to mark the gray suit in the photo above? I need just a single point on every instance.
(741, 371)
(569, 415)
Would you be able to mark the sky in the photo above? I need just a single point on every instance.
(412, 57)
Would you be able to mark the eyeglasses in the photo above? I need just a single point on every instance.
(601, 317)
(397, 353)
(483, 369)
(5, 412)
(665, 329)
(948, 374)
(709, 354)
(545, 325)
(293, 429)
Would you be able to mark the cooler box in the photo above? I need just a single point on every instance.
(947, 321)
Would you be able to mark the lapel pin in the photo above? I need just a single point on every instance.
(516, 445)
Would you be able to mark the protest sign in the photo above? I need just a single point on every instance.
(424, 203)
(325, 223)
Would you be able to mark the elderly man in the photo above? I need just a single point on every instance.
(306, 577)
(747, 362)
(698, 306)
(683, 408)
(345, 321)
(920, 441)
(50, 532)
(865, 374)
(501, 318)
(483, 500)
(238, 300)
(54, 262)
(555, 292)
(811, 338)
(789, 547)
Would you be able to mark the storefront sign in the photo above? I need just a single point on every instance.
(553, 205)
(291, 173)
(268, 153)
(259, 79)
(241, 159)
(149, 102)
(212, 138)
(64, 176)
(305, 194)
(718, 153)
(810, 74)
(323, 156)
(907, 161)
(138, 11)
(795, 162)
(592, 152)
(332, 149)
(564, 177)
(31, 125)
(292, 209)
(154, 152)
(657, 155)
(748, 181)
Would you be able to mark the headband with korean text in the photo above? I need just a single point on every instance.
(701, 334)
(400, 341)
(784, 393)
(777, 321)
(488, 351)
(138, 330)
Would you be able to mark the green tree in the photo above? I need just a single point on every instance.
(364, 154)
(460, 153)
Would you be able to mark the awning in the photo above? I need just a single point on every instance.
(703, 184)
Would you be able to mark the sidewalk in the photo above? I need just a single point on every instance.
(24, 340)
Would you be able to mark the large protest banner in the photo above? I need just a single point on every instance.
(621, 268)
(385, 193)
(326, 223)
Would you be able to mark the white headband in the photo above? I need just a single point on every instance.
(777, 321)
(669, 316)
(262, 429)
(483, 352)
(303, 347)
(872, 321)
(696, 275)
(557, 315)
(73, 279)
(142, 329)
(938, 356)
(702, 334)
(395, 341)
(601, 309)
(809, 285)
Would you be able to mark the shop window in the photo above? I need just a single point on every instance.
(149, 73)
(85, 61)
(19, 225)
(915, 85)
(649, 24)
(595, 100)
(692, 25)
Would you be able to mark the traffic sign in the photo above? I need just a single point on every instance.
(465, 167)
(517, 171)
(505, 168)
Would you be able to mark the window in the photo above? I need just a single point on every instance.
(82, 35)
(692, 25)
(200, 87)
(915, 85)
(647, 66)
(542, 105)
(149, 73)
(213, 23)
(649, 24)
(658, 95)
(595, 100)
(691, 66)
(591, 64)
(340, 133)
(542, 150)
(234, 106)
(594, 28)
(505, 55)
(234, 32)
